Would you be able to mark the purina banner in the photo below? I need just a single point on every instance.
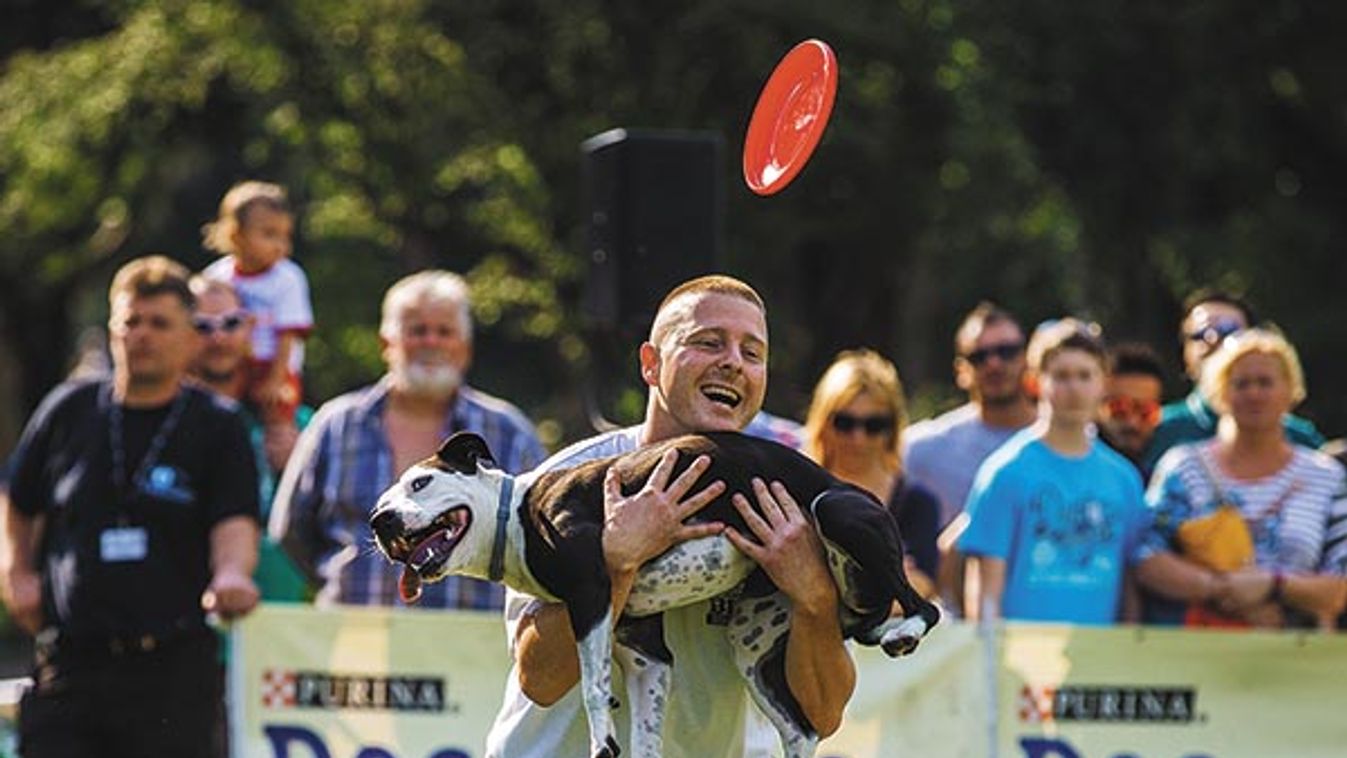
(365, 682)
(1074, 692)
(375, 683)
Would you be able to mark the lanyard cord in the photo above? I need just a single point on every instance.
(116, 441)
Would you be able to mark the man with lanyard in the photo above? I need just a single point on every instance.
(358, 444)
(706, 368)
(132, 513)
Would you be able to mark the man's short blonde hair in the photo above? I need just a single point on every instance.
(151, 276)
(719, 284)
(202, 286)
(1217, 367)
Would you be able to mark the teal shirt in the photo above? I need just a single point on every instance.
(1192, 420)
(277, 577)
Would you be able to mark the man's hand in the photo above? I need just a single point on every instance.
(22, 592)
(230, 594)
(278, 441)
(640, 527)
(787, 547)
(819, 672)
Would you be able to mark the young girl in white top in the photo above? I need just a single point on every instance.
(253, 233)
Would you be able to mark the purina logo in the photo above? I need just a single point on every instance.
(311, 689)
(1173, 705)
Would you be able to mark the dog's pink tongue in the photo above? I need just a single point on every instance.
(409, 586)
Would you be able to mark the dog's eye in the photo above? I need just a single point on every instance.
(420, 482)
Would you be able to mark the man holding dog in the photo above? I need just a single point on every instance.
(706, 367)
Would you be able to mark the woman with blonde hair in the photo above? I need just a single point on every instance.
(854, 429)
(1249, 528)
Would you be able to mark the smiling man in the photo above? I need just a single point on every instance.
(705, 365)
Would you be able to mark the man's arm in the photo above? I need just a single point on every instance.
(233, 558)
(984, 596)
(819, 671)
(635, 529)
(294, 510)
(20, 581)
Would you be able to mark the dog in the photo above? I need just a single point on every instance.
(455, 513)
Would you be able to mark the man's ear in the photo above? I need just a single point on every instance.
(384, 347)
(463, 451)
(650, 364)
(963, 374)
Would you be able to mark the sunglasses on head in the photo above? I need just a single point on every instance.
(1214, 333)
(873, 425)
(1005, 352)
(1130, 407)
(227, 323)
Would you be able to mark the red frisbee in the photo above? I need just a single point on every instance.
(790, 116)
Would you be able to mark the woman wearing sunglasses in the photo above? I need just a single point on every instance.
(1250, 529)
(854, 429)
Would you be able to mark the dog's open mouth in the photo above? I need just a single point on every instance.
(430, 548)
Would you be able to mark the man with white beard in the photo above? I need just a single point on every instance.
(359, 443)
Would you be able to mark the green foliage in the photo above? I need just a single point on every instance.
(1100, 158)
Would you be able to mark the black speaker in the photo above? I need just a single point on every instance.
(655, 201)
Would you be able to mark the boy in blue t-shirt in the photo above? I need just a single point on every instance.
(1055, 516)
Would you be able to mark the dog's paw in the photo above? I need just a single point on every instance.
(899, 645)
(609, 749)
(903, 638)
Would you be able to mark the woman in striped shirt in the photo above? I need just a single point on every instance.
(1291, 500)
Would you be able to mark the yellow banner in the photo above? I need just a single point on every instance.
(1069, 692)
(375, 683)
(365, 682)
(926, 704)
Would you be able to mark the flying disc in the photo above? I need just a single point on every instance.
(790, 116)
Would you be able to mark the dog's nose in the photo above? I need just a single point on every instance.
(387, 526)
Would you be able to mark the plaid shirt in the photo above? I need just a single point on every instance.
(340, 466)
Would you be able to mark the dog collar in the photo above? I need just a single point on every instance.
(496, 570)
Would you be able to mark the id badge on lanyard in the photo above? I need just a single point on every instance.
(126, 542)
(123, 544)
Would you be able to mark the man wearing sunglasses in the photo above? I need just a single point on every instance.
(944, 453)
(1131, 408)
(222, 365)
(1209, 317)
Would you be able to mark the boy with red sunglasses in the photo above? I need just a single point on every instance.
(1132, 397)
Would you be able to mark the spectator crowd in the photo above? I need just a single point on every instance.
(1063, 489)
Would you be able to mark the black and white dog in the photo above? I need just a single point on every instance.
(542, 535)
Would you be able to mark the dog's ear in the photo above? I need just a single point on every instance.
(462, 452)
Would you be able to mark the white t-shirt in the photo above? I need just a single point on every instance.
(278, 300)
(708, 703)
